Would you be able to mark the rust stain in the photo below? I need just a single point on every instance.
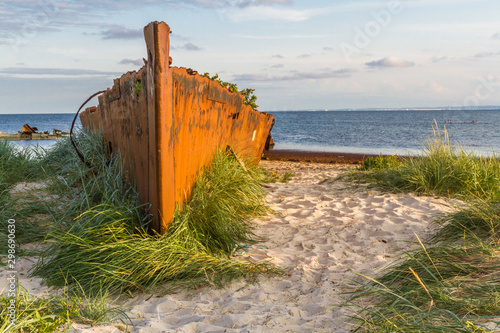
(168, 130)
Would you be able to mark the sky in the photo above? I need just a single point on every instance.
(296, 54)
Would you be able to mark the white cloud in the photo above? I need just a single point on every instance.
(435, 88)
(44, 73)
(390, 62)
(281, 37)
(261, 13)
(69, 51)
(439, 59)
(187, 47)
(233, 3)
(136, 62)
(191, 47)
(325, 73)
(120, 32)
(486, 54)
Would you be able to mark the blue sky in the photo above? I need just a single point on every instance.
(297, 54)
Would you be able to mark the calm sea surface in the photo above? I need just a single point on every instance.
(387, 132)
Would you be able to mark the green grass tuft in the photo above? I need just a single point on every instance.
(440, 170)
(107, 245)
(57, 313)
(442, 288)
(479, 221)
(16, 165)
(379, 162)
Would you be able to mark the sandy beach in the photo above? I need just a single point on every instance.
(322, 231)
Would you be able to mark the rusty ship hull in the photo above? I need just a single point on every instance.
(168, 122)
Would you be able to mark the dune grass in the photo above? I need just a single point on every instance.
(443, 288)
(452, 282)
(97, 239)
(441, 169)
(57, 313)
(479, 220)
(107, 245)
(16, 166)
(36, 212)
(83, 188)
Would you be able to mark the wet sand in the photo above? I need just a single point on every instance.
(314, 157)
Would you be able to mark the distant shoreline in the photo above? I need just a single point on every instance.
(458, 108)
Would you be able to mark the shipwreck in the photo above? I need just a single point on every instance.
(167, 123)
(31, 133)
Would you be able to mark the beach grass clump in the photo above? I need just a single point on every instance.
(442, 170)
(21, 205)
(478, 221)
(31, 313)
(108, 246)
(285, 178)
(449, 171)
(268, 176)
(81, 187)
(379, 162)
(28, 222)
(224, 199)
(19, 165)
(443, 288)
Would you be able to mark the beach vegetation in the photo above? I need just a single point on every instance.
(96, 237)
(441, 169)
(107, 245)
(137, 87)
(450, 282)
(286, 177)
(24, 205)
(379, 162)
(447, 287)
(19, 164)
(27, 312)
(268, 176)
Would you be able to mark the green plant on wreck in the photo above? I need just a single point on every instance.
(248, 94)
(137, 88)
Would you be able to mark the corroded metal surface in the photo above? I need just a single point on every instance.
(167, 122)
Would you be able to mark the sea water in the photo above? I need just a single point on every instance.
(386, 132)
(370, 132)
